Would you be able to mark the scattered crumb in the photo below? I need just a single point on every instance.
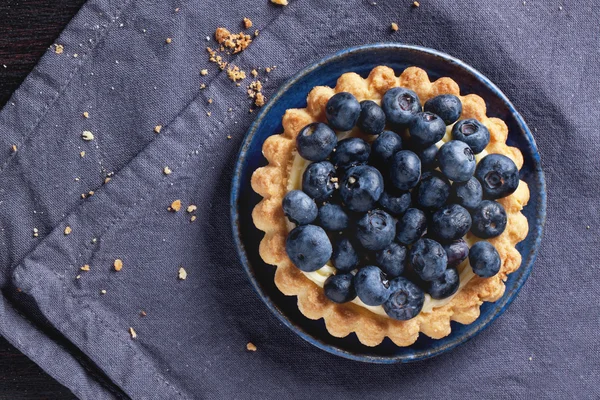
(68, 230)
(192, 218)
(416, 4)
(182, 274)
(103, 291)
(157, 128)
(169, 40)
(255, 92)
(256, 33)
(167, 171)
(118, 264)
(251, 346)
(94, 240)
(75, 55)
(90, 193)
(87, 136)
(280, 2)
(143, 313)
(587, 227)
(191, 208)
(228, 137)
(83, 195)
(210, 101)
(394, 26)
(175, 206)
(530, 358)
(35, 232)
(132, 333)
(247, 23)
(177, 9)
(221, 34)
(86, 267)
(208, 113)
(204, 72)
(59, 48)
(268, 69)
(86, 114)
(107, 179)
(203, 86)
(78, 277)
(82, 154)
(215, 58)
(260, 100)
(254, 73)
(13, 148)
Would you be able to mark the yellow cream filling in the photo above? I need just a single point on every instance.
(299, 164)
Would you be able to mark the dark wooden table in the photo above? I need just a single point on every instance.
(27, 28)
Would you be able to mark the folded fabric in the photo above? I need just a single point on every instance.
(172, 321)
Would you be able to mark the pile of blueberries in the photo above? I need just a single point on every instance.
(391, 215)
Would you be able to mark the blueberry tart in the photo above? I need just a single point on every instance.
(391, 206)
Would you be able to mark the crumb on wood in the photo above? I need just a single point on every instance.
(68, 230)
(251, 346)
(59, 48)
(247, 23)
(175, 206)
(167, 171)
(182, 274)
(87, 136)
(132, 333)
(118, 264)
(394, 26)
(157, 128)
(86, 267)
(191, 208)
(280, 2)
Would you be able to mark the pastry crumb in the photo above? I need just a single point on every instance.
(208, 113)
(221, 34)
(203, 86)
(132, 333)
(82, 154)
(416, 4)
(68, 230)
(192, 218)
(247, 23)
(169, 40)
(394, 26)
(251, 346)
(13, 148)
(167, 171)
(235, 74)
(78, 277)
(118, 264)
(59, 48)
(254, 73)
(86, 114)
(143, 313)
(228, 137)
(210, 101)
(203, 72)
(103, 291)
(182, 274)
(280, 2)
(86, 267)
(35, 232)
(268, 70)
(191, 208)
(157, 128)
(87, 136)
(107, 179)
(175, 206)
(256, 32)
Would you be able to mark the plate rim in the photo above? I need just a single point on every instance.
(241, 250)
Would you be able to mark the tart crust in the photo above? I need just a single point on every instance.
(342, 319)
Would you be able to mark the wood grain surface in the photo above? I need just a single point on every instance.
(27, 28)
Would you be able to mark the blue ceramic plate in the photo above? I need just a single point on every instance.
(293, 95)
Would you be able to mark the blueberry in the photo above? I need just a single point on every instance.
(332, 217)
(384, 147)
(484, 259)
(468, 194)
(456, 161)
(473, 133)
(316, 141)
(342, 111)
(445, 286)
(308, 247)
(489, 219)
(372, 286)
(447, 106)
(400, 106)
(392, 259)
(405, 170)
(428, 259)
(376, 230)
(317, 180)
(372, 118)
(498, 175)
(351, 151)
(411, 226)
(299, 207)
(340, 288)
(344, 256)
(426, 129)
(433, 191)
(457, 252)
(450, 222)
(395, 203)
(428, 157)
(406, 300)
(361, 187)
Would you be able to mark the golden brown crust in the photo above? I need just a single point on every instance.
(342, 319)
